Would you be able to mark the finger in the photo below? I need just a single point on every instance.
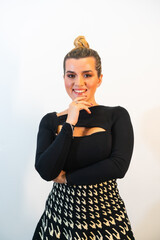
(84, 102)
(87, 109)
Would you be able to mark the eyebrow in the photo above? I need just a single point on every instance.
(83, 71)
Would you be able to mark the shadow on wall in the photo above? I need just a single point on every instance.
(151, 130)
(148, 228)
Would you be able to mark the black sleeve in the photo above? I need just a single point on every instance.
(52, 150)
(116, 165)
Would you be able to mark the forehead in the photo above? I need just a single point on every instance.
(81, 64)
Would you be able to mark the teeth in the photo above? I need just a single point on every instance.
(79, 91)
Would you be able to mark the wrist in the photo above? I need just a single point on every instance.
(72, 125)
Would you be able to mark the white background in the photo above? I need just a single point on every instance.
(34, 38)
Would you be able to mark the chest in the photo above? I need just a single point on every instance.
(83, 131)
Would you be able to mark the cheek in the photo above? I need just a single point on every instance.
(92, 85)
(67, 84)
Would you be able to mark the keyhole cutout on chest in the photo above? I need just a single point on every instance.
(83, 131)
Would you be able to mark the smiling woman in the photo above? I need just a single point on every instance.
(81, 78)
(83, 150)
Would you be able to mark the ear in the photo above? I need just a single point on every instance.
(100, 80)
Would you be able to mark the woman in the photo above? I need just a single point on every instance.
(84, 149)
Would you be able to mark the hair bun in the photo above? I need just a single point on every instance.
(80, 41)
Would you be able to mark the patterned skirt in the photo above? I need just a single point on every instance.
(84, 212)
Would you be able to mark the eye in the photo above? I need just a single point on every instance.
(87, 75)
(70, 75)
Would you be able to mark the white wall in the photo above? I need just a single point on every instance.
(34, 37)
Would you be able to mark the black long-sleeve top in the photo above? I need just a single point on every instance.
(88, 159)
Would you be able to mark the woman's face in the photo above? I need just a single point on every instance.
(81, 78)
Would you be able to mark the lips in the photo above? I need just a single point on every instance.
(79, 90)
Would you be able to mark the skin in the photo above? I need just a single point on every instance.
(79, 74)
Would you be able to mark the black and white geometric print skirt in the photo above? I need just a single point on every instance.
(84, 212)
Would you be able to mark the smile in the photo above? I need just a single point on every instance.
(79, 91)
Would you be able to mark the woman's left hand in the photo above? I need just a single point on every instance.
(61, 177)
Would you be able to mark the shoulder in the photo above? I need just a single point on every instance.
(49, 121)
(120, 111)
(121, 116)
(62, 113)
(116, 110)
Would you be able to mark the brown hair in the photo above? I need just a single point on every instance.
(82, 50)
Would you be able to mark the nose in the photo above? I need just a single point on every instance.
(79, 81)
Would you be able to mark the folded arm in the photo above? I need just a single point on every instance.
(52, 150)
(116, 165)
